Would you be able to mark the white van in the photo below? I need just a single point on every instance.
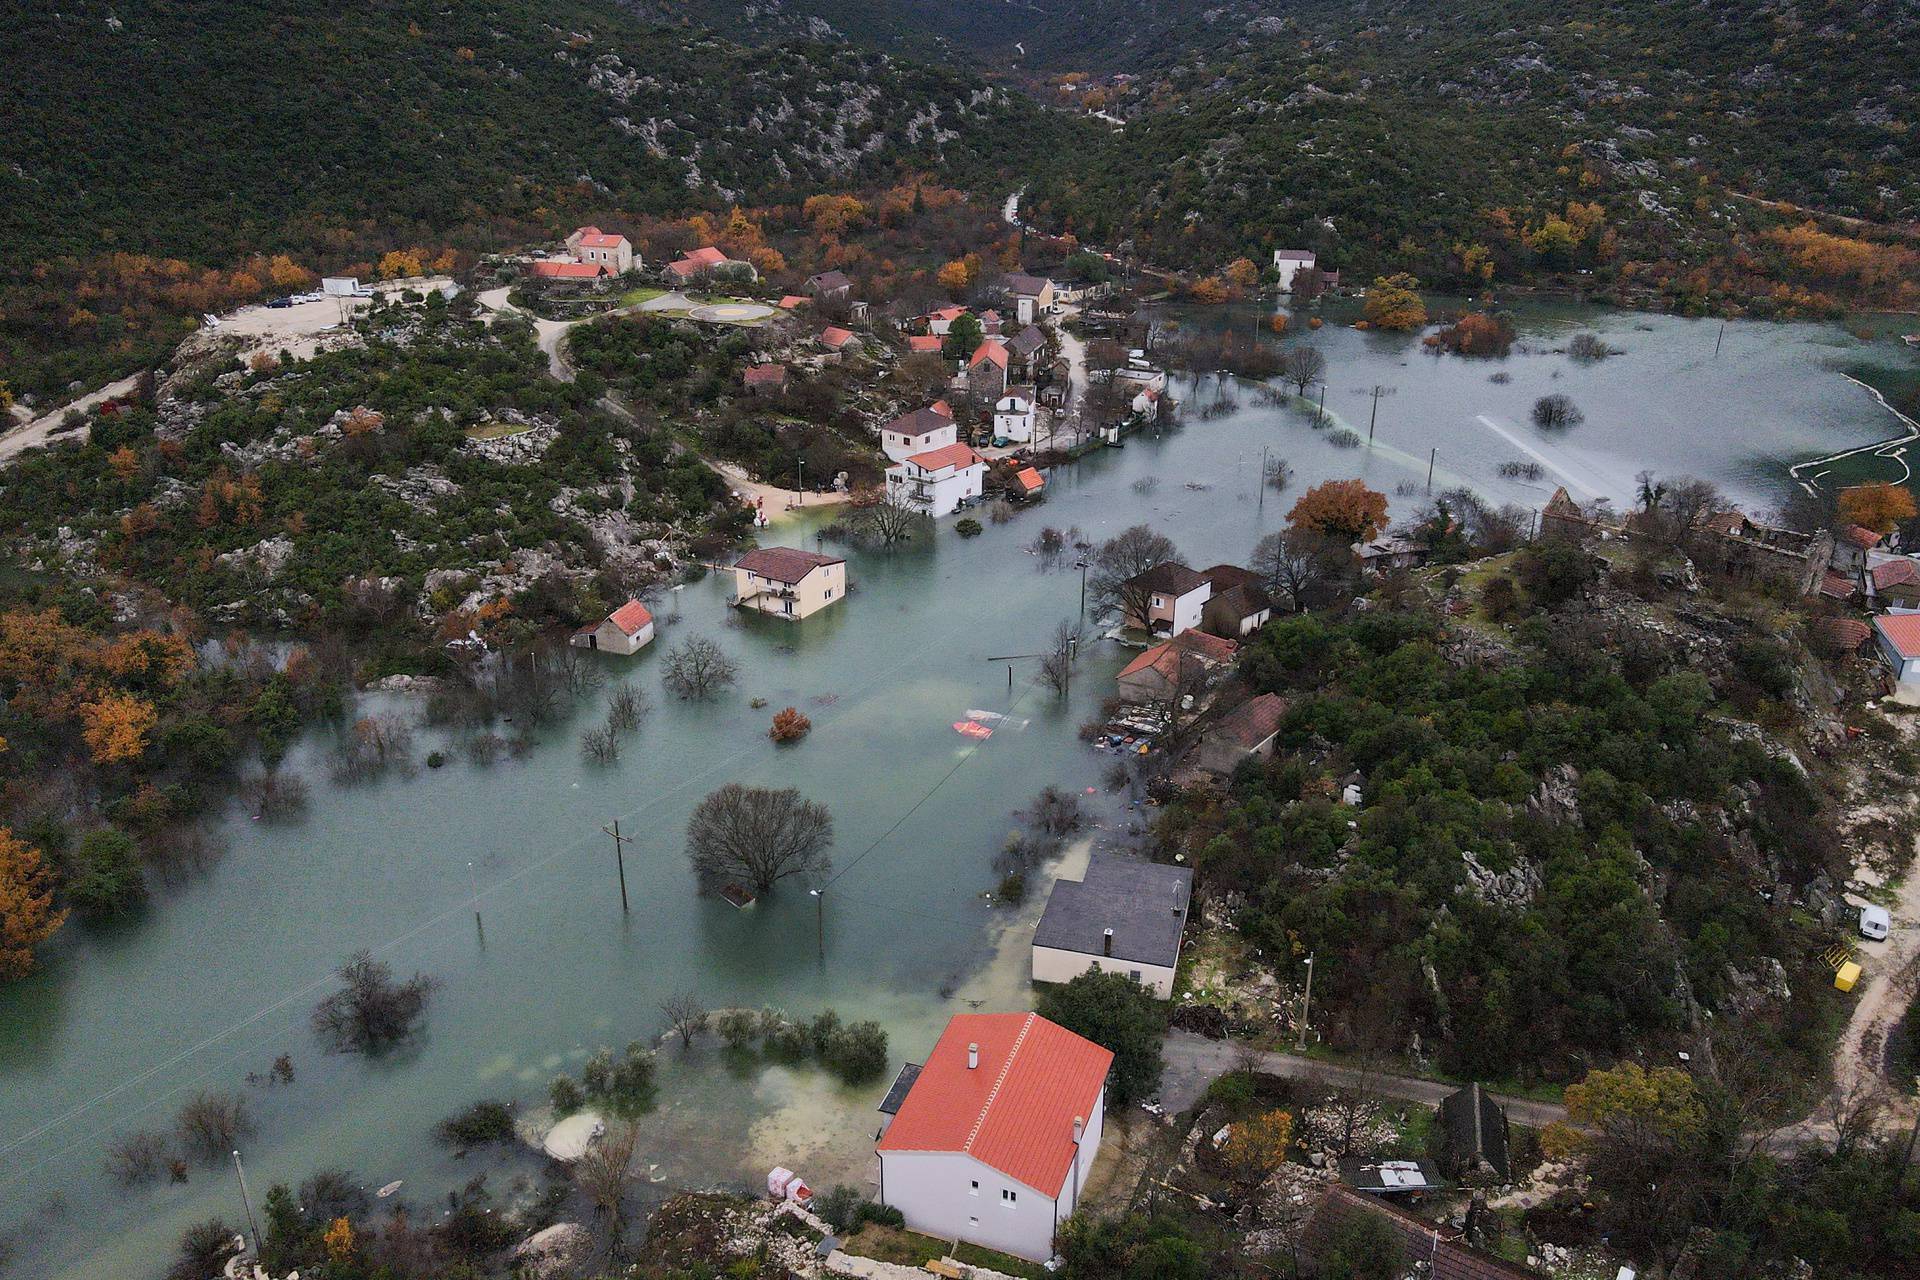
(1874, 922)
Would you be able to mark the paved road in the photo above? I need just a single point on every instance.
(38, 432)
(1193, 1062)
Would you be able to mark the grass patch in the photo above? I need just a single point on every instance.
(644, 293)
(975, 1256)
(893, 1244)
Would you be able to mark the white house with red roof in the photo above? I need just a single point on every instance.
(937, 481)
(992, 1138)
(603, 248)
(939, 322)
(708, 261)
(626, 630)
(1898, 638)
(921, 431)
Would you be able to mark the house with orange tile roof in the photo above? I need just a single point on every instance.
(834, 338)
(708, 261)
(561, 269)
(769, 378)
(939, 322)
(1190, 663)
(1898, 637)
(603, 249)
(938, 481)
(923, 344)
(987, 369)
(627, 630)
(991, 1139)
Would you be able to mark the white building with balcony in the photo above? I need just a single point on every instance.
(939, 480)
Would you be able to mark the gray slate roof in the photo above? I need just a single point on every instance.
(897, 1092)
(1144, 903)
(1169, 578)
(1027, 341)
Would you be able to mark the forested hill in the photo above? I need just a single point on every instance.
(211, 128)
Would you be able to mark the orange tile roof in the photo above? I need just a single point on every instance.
(553, 270)
(1199, 643)
(923, 342)
(1902, 631)
(1894, 573)
(1015, 1111)
(595, 238)
(834, 336)
(792, 300)
(952, 455)
(992, 351)
(765, 375)
(706, 257)
(1030, 479)
(630, 617)
(942, 408)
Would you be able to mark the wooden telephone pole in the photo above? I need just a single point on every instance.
(620, 844)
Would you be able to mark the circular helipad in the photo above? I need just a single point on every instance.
(732, 312)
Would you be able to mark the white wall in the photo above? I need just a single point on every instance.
(899, 448)
(934, 1190)
(945, 491)
(1051, 964)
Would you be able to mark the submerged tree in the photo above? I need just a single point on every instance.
(1557, 412)
(371, 1011)
(756, 837)
(605, 1171)
(697, 669)
(1121, 560)
(1303, 366)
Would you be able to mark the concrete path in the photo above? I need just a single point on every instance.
(547, 333)
(1193, 1062)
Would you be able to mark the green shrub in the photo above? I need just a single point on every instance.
(857, 1053)
(104, 875)
(968, 527)
(483, 1122)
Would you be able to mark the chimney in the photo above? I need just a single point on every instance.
(973, 1057)
(1079, 1127)
(1106, 942)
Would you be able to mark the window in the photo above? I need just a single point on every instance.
(1158, 603)
(973, 1187)
(1134, 974)
(1009, 1197)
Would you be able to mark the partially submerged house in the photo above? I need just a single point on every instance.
(1121, 916)
(1166, 599)
(995, 1134)
(1189, 664)
(938, 481)
(788, 582)
(1288, 263)
(1237, 603)
(1027, 484)
(626, 630)
(1245, 733)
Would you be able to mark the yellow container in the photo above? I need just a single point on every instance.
(1846, 975)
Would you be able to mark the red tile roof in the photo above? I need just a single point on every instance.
(1030, 479)
(1838, 586)
(949, 314)
(952, 455)
(1844, 634)
(1198, 643)
(556, 270)
(1015, 1111)
(942, 408)
(1902, 631)
(595, 238)
(792, 300)
(1860, 537)
(697, 261)
(923, 342)
(1895, 573)
(836, 337)
(991, 351)
(783, 564)
(1252, 722)
(630, 617)
(765, 375)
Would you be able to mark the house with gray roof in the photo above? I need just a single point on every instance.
(1122, 916)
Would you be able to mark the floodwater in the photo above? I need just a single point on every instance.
(218, 978)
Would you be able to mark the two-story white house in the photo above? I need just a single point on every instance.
(921, 431)
(1013, 415)
(992, 1138)
(1289, 263)
(1166, 599)
(1121, 916)
(939, 480)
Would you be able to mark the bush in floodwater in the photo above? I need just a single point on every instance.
(790, 725)
(1344, 438)
(485, 1121)
(204, 1250)
(211, 1122)
(104, 875)
(1012, 889)
(135, 1158)
(736, 1027)
(1588, 347)
(372, 1011)
(968, 527)
(857, 1053)
(565, 1095)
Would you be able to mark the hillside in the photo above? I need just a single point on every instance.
(211, 130)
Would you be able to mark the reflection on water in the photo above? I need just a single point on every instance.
(219, 978)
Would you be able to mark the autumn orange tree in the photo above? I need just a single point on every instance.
(27, 916)
(116, 727)
(1877, 506)
(1394, 302)
(1344, 509)
(1258, 1145)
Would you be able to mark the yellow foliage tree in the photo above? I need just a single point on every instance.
(286, 273)
(958, 275)
(400, 263)
(832, 215)
(1258, 1145)
(1631, 1102)
(1208, 289)
(1242, 274)
(767, 260)
(1877, 506)
(339, 1242)
(27, 917)
(1394, 302)
(124, 462)
(1343, 509)
(115, 727)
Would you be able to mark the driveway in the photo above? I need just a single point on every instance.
(1193, 1062)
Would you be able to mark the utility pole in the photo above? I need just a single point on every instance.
(1262, 505)
(800, 480)
(1082, 566)
(1719, 338)
(1320, 411)
(1306, 1005)
(1374, 416)
(247, 1200)
(620, 843)
(473, 881)
(820, 918)
(1432, 456)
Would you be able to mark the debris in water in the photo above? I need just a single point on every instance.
(972, 729)
(389, 1189)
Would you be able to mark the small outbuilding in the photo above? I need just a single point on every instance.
(1473, 1135)
(1244, 733)
(626, 630)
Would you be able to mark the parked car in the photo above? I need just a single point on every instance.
(278, 303)
(1874, 922)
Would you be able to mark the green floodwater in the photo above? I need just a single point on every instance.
(219, 977)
